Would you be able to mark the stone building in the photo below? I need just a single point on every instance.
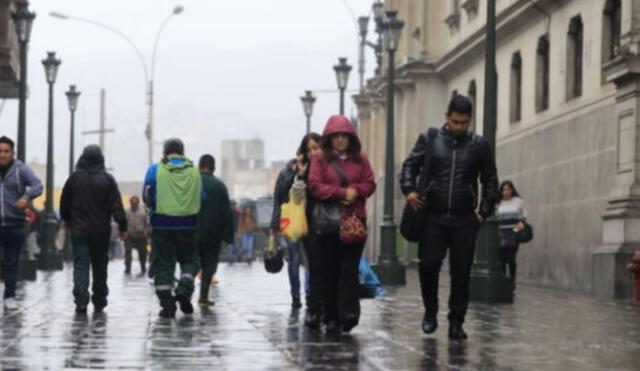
(9, 53)
(568, 125)
(243, 168)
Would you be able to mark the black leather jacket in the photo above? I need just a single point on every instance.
(452, 182)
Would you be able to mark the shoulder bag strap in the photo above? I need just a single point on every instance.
(341, 174)
(431, 135)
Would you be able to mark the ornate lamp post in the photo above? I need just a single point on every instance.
(49, 258)
(23, 21)
(72, 98)
(389, 269)
(378, 17)
(342, 70)
(307, 104)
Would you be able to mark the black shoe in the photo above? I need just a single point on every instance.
(185, 304)
(98, 308)
(296, 304)
(81, 309)
(456, 332)
(168, 312)
(429, 324)
(312, 321)
(127, 272)
(349, 323)
(332, 327)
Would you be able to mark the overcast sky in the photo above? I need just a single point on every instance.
(225, 69)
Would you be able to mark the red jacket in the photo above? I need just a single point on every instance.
(324, 182)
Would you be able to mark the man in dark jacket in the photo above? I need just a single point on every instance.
(90, 198)
(18, 186)
(457, 158)
(215, 224)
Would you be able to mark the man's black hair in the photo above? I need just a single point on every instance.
(173, 146)
(207, 162)
(6, 140)
(460, 104)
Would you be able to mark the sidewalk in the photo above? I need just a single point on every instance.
(252, 327)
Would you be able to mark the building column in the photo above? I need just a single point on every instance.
(621, 219)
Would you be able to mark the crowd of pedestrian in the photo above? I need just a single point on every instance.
(186, 217)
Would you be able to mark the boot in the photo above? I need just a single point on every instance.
(429, 324)
(456, 332)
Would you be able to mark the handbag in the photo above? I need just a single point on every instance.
(413, 222)
(327, 215)
(352, 229)
(525, 235)
(273, 256)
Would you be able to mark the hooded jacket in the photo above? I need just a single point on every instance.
(324, 182)
(18, 183)
(90, 197)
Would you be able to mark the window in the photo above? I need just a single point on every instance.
(453, 20)
(611, 30)
(574, 58)
(516, 88)
(542, 74)
(473, 98)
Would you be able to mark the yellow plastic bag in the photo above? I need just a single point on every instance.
(293, 220)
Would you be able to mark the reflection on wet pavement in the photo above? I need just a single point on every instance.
(252, 327)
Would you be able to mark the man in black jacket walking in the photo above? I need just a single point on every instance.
(90, 199)
(457, 158)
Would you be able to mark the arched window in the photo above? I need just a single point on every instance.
(611, 31)
(516, 89)
(575, 41)
(542, 74)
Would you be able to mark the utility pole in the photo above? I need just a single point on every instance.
(102, 131)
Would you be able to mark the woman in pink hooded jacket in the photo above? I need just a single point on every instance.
(341, 145)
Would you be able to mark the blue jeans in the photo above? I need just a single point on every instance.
(11, 241)
(247, 245)
(293, 267)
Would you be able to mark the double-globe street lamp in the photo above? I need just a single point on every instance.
(307, 104)
(72, 98)
(49, 258)
(23, 21)
(342, 70)
(389, 268)
(148, 75)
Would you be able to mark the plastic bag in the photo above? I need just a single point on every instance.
(370, 286)
(293, 220)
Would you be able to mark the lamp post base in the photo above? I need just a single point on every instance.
(491, 289)
(488, 283)
(391, 273)
(28, 269)
(49, 257)
(50, 261)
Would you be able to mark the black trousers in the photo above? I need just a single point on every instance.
(313, 251)
(458, 235)
(508, 259)
(340, 261)
(209, 250)
(140, 245)
(90, 257)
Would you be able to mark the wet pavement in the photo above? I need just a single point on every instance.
(252, 327)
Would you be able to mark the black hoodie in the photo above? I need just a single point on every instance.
(91, 197)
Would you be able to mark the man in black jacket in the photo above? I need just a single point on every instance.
(457, 158)
(90, 199)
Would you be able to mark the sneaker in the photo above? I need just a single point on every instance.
(206, 303)
(185, 304)
(10, 304)
(81, 309)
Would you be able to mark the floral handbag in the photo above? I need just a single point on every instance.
(352, 228)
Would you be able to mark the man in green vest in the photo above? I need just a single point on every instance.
(172, 192)
(215, 224)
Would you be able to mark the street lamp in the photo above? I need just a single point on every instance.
(148, 75)
(342, 70)
(48, 257)
(389, 269)
(307, 104)
(23, 21)
(378, 17)
(363, 23)
(72, 98)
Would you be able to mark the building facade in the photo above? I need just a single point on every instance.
(243, 168)
(9, 52)
(568, 127)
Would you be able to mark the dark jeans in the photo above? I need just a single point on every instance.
(508, 259)
(315, 280)
(11, 241)
(340, 261)
(171, 246)
(458, 235)
(294, 259)
(140, 245)
(209, 250)
(90, 253)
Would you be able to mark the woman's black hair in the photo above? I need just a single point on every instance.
(353, 151)
(509, 183)
(304, 144)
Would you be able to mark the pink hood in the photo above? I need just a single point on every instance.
(340, 124)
